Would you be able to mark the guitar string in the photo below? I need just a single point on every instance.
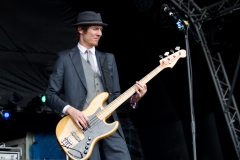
(95, 120)
(152, 74)
(147, 77)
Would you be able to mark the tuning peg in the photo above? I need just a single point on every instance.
(177, 48)
(166, 53)
(160, 56)
(171, 50)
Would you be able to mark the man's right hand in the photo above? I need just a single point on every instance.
(80, 119)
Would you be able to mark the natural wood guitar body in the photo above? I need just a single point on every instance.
(77, 143)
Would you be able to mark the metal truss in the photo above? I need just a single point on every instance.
(199, 15)
(224, 90)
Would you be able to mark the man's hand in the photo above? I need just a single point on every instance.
(141, 90)
(78, 117)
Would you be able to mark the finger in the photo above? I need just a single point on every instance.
(138, 83)
(83, 122)
(139, 93)
(139, 87)
(141, 84)
(144, 88)
(86, 119)
(80, 121)
(79, 124)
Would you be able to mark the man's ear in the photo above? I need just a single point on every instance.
(80, 31)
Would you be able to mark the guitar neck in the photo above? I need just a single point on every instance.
(169, 61)
(128, 93)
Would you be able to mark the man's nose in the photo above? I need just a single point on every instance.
(99, 32)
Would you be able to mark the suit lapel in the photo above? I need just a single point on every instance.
(76, 59)
(100, 59)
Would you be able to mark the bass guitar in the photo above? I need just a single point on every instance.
(78, 143)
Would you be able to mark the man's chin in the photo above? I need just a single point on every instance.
(95, 44)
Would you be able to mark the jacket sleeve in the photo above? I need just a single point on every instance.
(54, 87)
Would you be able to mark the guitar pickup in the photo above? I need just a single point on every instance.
(75, 136)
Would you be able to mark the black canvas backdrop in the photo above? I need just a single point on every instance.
(32, 32)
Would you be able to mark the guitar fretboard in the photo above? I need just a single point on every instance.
(168, 61)
(128, 93)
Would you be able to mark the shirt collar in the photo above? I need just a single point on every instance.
(83, 49)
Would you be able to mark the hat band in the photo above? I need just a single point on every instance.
(91, 22)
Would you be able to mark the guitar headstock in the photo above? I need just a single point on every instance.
(171, 60)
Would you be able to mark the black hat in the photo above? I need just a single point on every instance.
(89, 18)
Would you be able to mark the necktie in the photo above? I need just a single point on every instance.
(90, 60)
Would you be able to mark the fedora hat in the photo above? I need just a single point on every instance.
(89, 18)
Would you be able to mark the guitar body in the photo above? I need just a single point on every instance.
(77, 143)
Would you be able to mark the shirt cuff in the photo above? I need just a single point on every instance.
(64, 109)
(132, 102)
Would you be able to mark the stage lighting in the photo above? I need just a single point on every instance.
(179, 23)
(37, 104)
(5, 115)
(14, 100)
(162, 19)
(43, 98)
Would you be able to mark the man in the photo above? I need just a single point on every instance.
(81, 75)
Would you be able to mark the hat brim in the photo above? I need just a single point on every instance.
(90, 23)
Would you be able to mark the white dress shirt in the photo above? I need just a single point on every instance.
(92, 53)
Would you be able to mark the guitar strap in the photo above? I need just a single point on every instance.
(106, 74)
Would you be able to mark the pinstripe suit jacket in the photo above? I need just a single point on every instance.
(68, 76)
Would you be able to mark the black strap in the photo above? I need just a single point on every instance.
(106, 74)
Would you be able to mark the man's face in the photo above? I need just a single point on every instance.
(91, 37)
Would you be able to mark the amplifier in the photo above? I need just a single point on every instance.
(9, 155)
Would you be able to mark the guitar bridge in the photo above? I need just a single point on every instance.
(67, 142)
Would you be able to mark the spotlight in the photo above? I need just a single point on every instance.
(14, 100)
(43, 98)
(162, 19)
(5, 115)
(37, 104)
